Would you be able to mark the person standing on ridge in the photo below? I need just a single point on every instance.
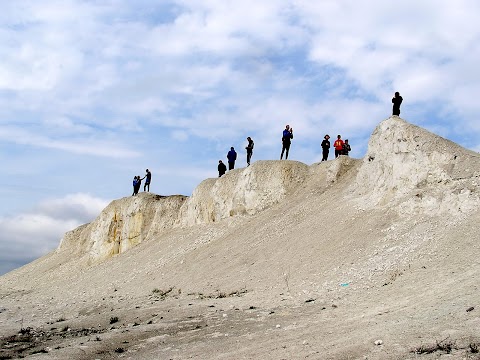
(346, 147)
(287, 137)
(134, 185)
(148, 175)
(231, 156)
(325, 147)
(221, 168)
(396, 101)
(338, 145)
(249, 150)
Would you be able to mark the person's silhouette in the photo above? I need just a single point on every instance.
(397, 101)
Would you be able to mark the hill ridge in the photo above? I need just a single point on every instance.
(344, 253)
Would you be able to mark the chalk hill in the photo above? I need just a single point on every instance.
(276, 260)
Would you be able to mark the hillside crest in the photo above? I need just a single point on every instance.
(405, 166)
(318, 261)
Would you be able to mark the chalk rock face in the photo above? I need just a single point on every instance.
(406, 167)
(126, 222)
(243, 191)
(418, 171)
(123, 224)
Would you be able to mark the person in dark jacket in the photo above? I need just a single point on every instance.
(346, 147)
(148, 175)
(396, 101)
(136, 184)
(325, 147)
(249, 149)
(287, 137)
(231, 156)
(221, 168)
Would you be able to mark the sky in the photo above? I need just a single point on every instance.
(94, 92)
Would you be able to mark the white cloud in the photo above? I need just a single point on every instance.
(29, 235)
(78, 146)
(81, 207)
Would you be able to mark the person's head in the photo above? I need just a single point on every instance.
(339, 137)
(231, 148)
(397, 94)
(219, 161)
(287, 127)
(346, 141)
(327, 136)
(249, 138)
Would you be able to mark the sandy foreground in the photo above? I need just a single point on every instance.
(373, 258)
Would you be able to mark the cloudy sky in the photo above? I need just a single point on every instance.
(94, 92)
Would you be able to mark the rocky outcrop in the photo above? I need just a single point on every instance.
(406, 167)
(243, 191)
(123, 224)
(417, 171)
(129, 221)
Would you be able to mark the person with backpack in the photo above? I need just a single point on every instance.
(287, 137)
(346, 148)
(338, 145)
(249, 149)
(325, 147)
(231, 156)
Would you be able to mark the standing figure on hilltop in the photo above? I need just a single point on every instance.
(134, 185)
(137, 181)
(287, 137)
(231, 156)
(346, 147)
(338, 145)
(148, 175)
(325, 147)
(249, 149)
(221, 168)
(396, 101)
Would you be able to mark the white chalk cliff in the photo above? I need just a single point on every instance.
(128, 221)
(418, 171)
(406, 167)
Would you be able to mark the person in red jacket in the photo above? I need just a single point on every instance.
(338, 145)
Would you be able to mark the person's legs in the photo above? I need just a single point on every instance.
(249, 156)
(230, 165)
(283, 150)
(287, 148)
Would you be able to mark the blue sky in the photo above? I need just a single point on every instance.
(94, 92)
